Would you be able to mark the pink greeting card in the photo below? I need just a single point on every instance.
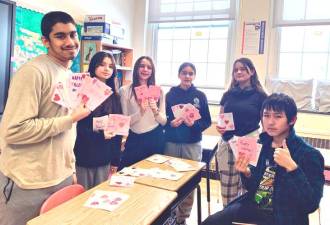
(154, 92)
(118, 124)
(191, 113)
(93, 92)
(100, 123)
(226, 121)
(107, 200)
(142, 93)
(178, 110)
(248, 147)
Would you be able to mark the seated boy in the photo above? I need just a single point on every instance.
(287, 183)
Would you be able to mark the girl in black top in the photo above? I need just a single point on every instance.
(98, 153)
(244, 99)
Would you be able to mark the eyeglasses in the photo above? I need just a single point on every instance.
(185, 73)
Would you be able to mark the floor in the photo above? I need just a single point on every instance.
(320, 217)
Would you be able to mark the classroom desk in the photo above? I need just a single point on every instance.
(145, 205)
(185, 185)
(210, 147)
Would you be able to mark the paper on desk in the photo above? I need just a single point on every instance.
(121, 181)
(107, 200)
(179, 165)
(157, 159)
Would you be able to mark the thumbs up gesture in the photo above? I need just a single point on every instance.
(283, 158)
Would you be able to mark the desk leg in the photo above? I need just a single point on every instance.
(199, 207)
(208, 197)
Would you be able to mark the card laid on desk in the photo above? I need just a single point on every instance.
(164, 174)
(157, 159)
(135, 172)
(121, 181)
(107, 200)
(179, 165)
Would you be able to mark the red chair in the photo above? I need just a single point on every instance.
(61, 196)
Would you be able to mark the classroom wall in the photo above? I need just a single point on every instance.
(133, 16)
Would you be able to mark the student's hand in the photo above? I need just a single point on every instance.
(221, 130)
(241, 165)
(176, 122)
(143, 106)
(283, 158)
(189, 122)
(108, 134)
(153, 106)
(80, 113)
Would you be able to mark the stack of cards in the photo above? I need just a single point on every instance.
(67, 89)
(80, 88)
(121, 181)
(143, 93)
(108, 200)
(115, 123)
(179, 165)
(246, 146)
(152, 172)
(186, 111)
(226, 121)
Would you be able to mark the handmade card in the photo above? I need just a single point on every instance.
(100, 123)
(118, 124)
(121, 181)
(157, 159)
(179, 165)
(107, 200)
(142, 93)
(154, 92)
(226, 121)
(178, 110)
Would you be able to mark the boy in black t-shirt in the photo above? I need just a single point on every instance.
(287, 183)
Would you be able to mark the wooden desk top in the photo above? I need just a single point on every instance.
(163, 183)
(144, 205)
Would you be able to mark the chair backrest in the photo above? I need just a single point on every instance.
(61, 196)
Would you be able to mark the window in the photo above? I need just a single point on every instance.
(197, 31)
(304, 39)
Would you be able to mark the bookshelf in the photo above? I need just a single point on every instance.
(123, 57)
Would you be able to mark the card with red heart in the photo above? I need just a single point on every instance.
(107, 200)
(226, 121)
(121, 181)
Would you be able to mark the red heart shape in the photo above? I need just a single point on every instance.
(94, 203)
(57, 97)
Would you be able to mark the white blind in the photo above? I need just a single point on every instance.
(161, 11)
(301, 12)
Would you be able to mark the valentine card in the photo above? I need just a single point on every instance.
(179, 165)
(154, 92)
(107, 200)
(58, 95)
(119, 124)
(254, 159)
(121, 181)
(164, 174)
(142, 93)
(135, 172)
(178, 110)
(191, 113)
(226, 121)
(93, 92)
(247, 146)
(74, 84)
(157, 159)
(100, 123)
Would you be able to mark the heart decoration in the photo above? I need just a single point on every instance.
(57, 97)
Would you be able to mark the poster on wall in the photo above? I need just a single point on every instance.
(253, 40)
(28, 38)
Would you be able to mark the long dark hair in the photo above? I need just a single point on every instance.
(111, 104)
(254, 79)
(136, 81)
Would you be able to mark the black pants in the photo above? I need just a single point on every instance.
(141, 146)
(242, 212)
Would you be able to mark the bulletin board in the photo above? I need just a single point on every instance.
(28, 38)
